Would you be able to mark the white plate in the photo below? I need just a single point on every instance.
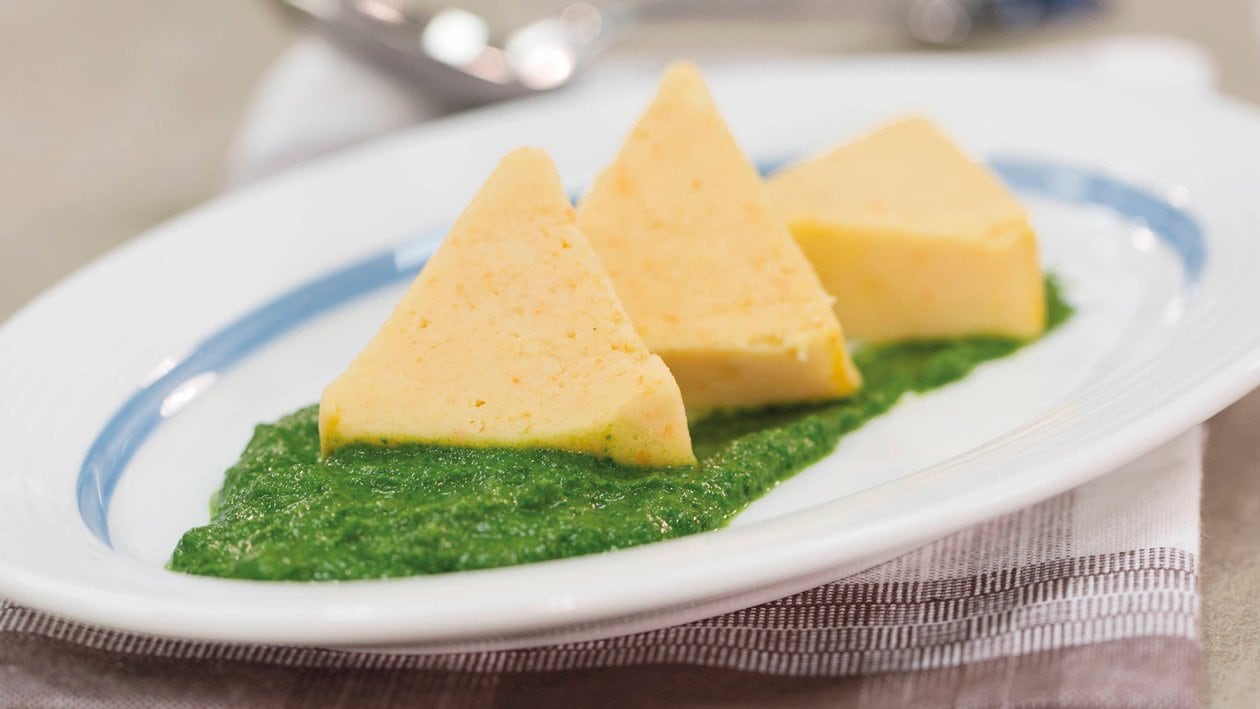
(150, 366)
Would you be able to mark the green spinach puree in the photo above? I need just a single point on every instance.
(369, 512)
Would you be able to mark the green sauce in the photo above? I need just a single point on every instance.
(369, 512)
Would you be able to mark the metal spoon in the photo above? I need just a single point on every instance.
(457, 53)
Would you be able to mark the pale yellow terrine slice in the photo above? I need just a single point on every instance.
(512, 336)
(709, 274)
(914, 238)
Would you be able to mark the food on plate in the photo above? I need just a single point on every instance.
(914, 238)
(510, 411)
(709, 274)
(512, 336)
(286, 513)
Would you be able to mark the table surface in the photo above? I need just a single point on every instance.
(116, 116)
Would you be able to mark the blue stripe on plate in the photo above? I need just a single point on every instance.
(1176, 227)
(140, 415)
(137, 419)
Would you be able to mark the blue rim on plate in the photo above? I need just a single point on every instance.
(140, 415)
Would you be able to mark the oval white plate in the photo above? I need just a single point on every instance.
(148, 369)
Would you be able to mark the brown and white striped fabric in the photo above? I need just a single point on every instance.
(1087, 599)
